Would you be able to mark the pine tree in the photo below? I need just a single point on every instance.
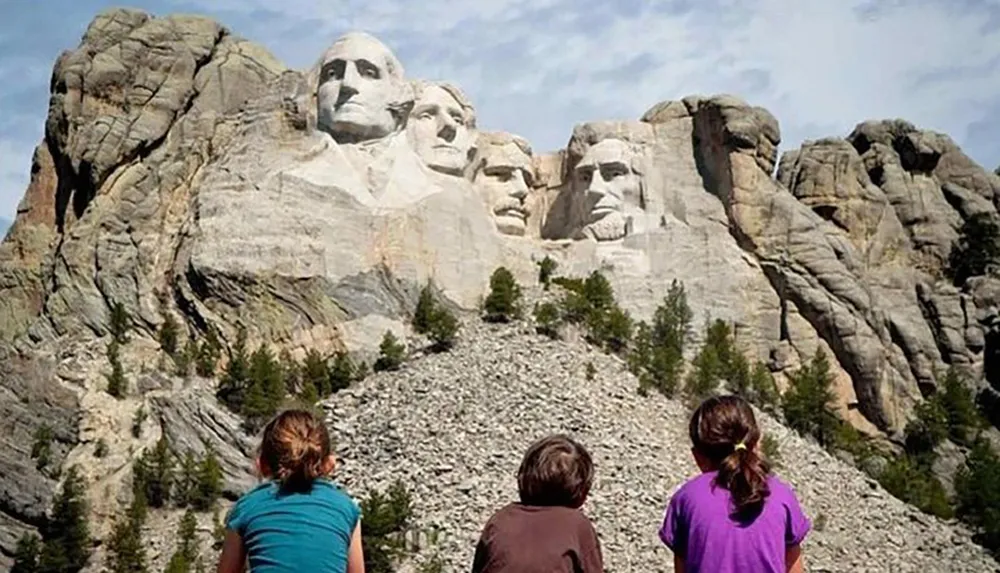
(67, 534)
(209, 484)
(186, 357)
(502, 304)
(443, 330)
(187, 480)
(342, 372)
(546, 268)
(117, 384)
(265, 374)
(126, 551)
(236, 380)
(316, 374)
(119, 323)
(208, 355)
(764, 389)
(658, 349)
(423, 315)
(808, 402)
(186, 556)
(26, 554)
(291, 372)
(391, 353)
(169, 332)
(41, 449)
(958, 401)
(158, 478)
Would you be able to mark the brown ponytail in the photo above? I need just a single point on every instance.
(724, 431)
(295, 449)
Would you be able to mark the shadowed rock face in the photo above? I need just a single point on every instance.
(186, 172)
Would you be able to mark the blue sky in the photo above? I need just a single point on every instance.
(537, 67)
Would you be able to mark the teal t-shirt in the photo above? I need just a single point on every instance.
(295, 531)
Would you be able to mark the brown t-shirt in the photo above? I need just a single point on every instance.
(532, 539)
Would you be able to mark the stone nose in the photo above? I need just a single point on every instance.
(518, 186)
(350, 80)
(597, 187)
(447, 129)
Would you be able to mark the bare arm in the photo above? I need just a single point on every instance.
(356, 554)
(793, 559)
(678, 564)
(234, 556)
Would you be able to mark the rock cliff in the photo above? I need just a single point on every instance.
(185, 172)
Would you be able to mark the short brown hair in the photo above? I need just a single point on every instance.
(295, 448)
(556, 470)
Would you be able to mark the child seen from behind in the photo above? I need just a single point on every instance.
(735, 516)
(546, 532)
(297, 520)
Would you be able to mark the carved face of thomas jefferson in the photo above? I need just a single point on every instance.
(441, 128)
(360, 89)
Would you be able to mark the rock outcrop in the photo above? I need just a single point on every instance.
(185, 172)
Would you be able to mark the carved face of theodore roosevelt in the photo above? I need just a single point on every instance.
(441, 127)
(504, 175)
(360, 93)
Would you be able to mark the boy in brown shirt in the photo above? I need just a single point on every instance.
(546, 532)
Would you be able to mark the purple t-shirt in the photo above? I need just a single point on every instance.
(698, 527)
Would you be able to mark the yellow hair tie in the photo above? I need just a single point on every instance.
(739, 446)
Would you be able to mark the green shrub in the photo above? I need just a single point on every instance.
(185, 557)
(342, 372)
(958, 401)
(41, 448)
(119, 323)
(168, 335)
(391, 353)
(153, 474)
(915, 484)
(503, 303)
(976, 250)
(208, 486)
(126, 551)
(547, 319)
(546, 268)
(977, 493)
(29, 547)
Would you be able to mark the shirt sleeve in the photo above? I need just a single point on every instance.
(673, 531)
(590, 548)
(237, 516)
(797, 525)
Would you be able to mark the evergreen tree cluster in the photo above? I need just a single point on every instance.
(657, 356)
(256, 385)
(159, 478)
(65, 543)
(434, 320)
(719, 361)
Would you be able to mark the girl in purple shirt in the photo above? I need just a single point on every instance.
(735, 517)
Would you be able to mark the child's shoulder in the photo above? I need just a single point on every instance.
(780, 489)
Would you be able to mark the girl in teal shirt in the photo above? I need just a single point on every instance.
(297, 520)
